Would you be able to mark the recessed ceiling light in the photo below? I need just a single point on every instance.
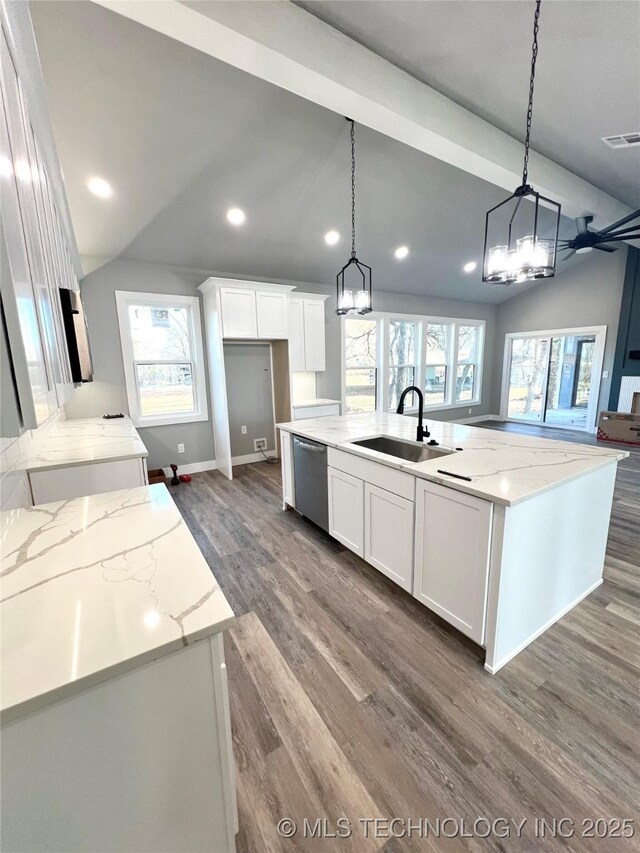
(331, 238)
(469, 267)
(100, 187)
(236, 216)
(401, 252)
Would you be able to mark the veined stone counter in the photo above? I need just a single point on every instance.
(504, 468)
(93, 587)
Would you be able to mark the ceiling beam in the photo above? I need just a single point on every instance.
(287, 46)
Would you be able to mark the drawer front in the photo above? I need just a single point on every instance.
(78, 481)
(375, 473)
(300, 412)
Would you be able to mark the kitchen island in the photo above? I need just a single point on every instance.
(114, 705)
(500, 534)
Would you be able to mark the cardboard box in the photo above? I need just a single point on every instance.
(619, 428)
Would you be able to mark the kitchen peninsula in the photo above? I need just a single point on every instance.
(500, 534)
(114, 686)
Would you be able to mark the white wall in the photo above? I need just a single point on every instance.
(588, 294)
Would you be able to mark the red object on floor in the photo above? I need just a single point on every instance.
(186, 478)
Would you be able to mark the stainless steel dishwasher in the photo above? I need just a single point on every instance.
(310, 475)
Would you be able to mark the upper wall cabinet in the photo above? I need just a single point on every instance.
(306, 332)
(35, 261)
(254, 310)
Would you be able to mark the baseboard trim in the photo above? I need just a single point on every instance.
(477, 418)
(251, 457)
(493, 669)
(193, 467)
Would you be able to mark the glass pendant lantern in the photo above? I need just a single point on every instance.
(353, 282)
(521, 233)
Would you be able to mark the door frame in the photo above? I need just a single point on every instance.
(600, 334)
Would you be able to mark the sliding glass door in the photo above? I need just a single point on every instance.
(552, 380)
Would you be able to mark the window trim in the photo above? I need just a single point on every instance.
(384, 318)
(124, 298)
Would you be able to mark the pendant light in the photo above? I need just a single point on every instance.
(521, 233)
(353, 282)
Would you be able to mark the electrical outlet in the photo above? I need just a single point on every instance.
(470, 411)
(181, 448)
(243, 430)
(260, 444)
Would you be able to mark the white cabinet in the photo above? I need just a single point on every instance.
(76, 481)
(239, 314)
(273, 319)
(346, 510)
(296, 336)
(452, 543)
(325, 411)
(306, 332)
(255, 312)
(314, 347)
(388, 534)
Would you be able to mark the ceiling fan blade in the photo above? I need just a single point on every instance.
(615, 225)
(602, 247)
(570, 255)
(631, 233)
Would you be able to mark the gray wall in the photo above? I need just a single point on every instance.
(107, 393)
(250, 396)
(588, 294)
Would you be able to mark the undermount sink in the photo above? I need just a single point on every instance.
(411, 451)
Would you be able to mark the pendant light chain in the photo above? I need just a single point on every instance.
(534, 56)
(353, 189)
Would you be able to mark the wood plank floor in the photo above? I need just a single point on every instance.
(350, 699)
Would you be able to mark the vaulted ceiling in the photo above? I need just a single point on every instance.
(478, 54)
(182, 137)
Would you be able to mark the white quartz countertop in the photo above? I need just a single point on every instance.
(96, 586)
(82, 441)
(315, 401)
(504, 467)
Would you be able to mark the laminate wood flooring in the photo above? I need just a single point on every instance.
(350, 699)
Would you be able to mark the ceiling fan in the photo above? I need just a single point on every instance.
(586, 240)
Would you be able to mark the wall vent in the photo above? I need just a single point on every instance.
(622, 140)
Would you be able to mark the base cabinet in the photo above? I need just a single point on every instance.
(452, 544)
(388, 540)
(141, 761)
(346, 510)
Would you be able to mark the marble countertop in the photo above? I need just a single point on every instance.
(82, 441)
(96, 586)
(315, 401)
(504, 467)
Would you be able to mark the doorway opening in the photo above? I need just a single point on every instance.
(553, 378)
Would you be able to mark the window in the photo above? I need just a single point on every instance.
(163, 358)
(385, 353)
(436, 378)
(361, 373)
(403, 338)
(467, 363)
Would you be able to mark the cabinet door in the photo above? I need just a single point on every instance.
(273, 315)
(453, 535)
(346, 510)
(314, 347)
(20, 300)
(238, 313)
(388, 534)
(296, 336)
